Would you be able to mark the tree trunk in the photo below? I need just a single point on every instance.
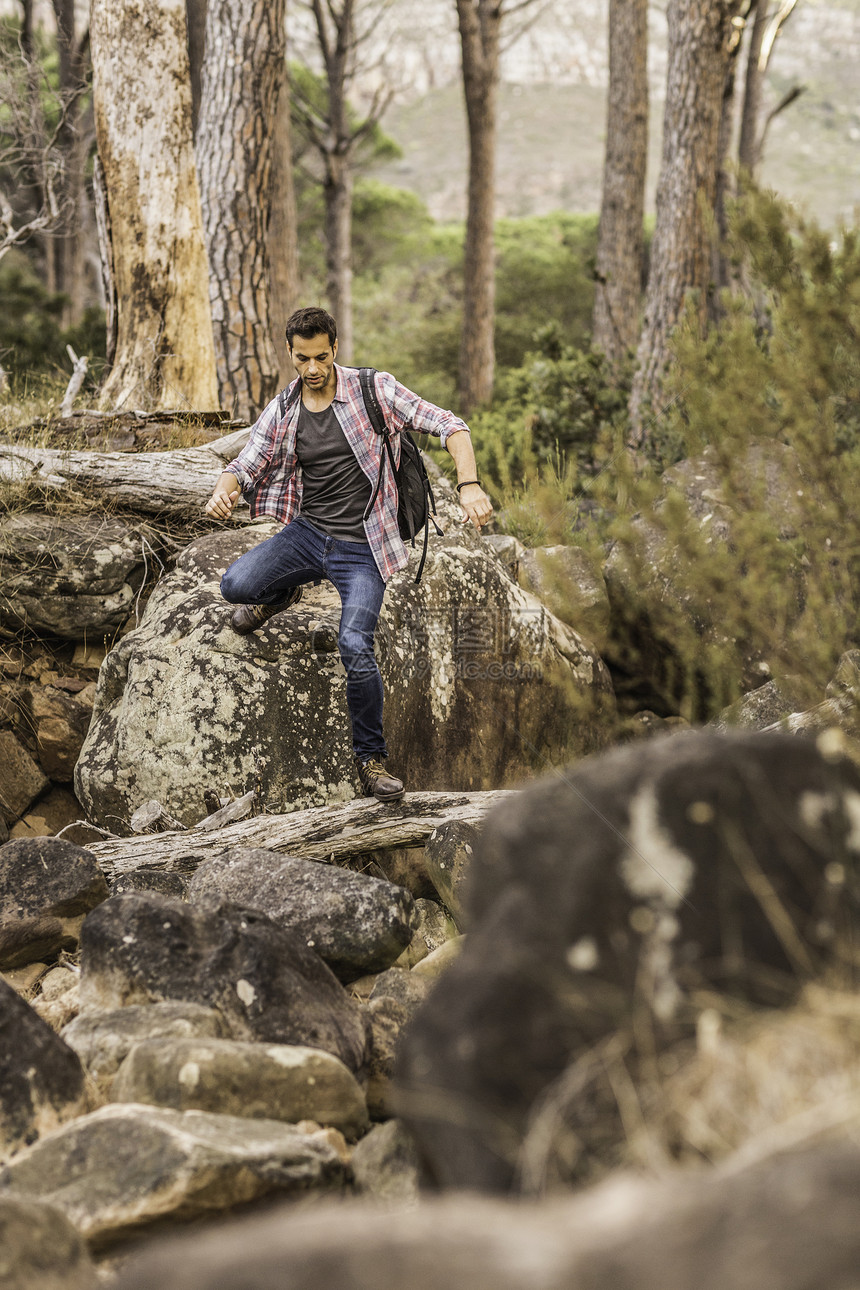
(748, 145)
(618, 273)
(108, 279)
(720, 269)
(243, 74)
(165, 356)
(74, 140)
(195, 13)
(698, 60)
(479, 21)
(338, 235)
(283, 242)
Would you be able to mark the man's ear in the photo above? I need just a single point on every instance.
(334, 348)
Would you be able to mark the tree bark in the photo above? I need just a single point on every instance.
(480, 23)
(720, 272)
(618, 274)
(195, 13)
(165, 355)
(176, 483)
(325, 834)
(74, 140)
(283, 242)
(337, 189)
(698, 58)
(243, 75)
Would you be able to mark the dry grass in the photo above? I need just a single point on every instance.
(776, 1076)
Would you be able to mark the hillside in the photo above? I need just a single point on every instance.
(552, 116)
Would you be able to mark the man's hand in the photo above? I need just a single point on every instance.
(476, 505)
(226, 495)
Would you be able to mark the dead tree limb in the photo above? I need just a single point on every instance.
(326, 834)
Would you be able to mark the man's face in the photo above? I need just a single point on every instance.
(313, 358)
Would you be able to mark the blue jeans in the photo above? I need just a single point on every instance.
(300, 553)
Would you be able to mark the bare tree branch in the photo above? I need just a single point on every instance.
(775, 26)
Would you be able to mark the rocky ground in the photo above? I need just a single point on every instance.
(236, 990)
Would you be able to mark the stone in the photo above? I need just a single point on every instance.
(60, 723)
(24, 980)
(387, 1018)
(448, 855)
(434, 927)
(118, 1170)
(21, 780)
(385, 1166)
(58, 1011)
(569, 583)
(169, 884)
(787, 1222)
(41, 1250)
(41, 1080)
(260, 1081)
(53, 812)
(765, 706)
(618, 889)
(103, 1040)
(406, 988)
(69, 576)
(841, 706)
(433, 966)
(465, 650)
(355, 923)
(144, 947)
(47, 886)
(507, 549)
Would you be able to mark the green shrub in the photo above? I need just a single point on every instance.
(775, 382)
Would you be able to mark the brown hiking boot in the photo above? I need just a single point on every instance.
(247, 618)
(376, 781)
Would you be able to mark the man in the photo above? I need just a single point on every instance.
(314, 469)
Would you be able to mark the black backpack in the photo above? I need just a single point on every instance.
(416, 505)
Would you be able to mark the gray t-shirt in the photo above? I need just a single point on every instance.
(335, 490)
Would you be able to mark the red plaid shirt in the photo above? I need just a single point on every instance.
(269, 473)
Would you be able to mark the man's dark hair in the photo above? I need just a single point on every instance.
(311, 321)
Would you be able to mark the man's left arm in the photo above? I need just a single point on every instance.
(414, 413)
(476, 504)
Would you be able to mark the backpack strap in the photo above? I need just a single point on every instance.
(367, 376)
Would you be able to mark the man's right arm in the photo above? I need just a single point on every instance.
(226, 495)
(252, 461)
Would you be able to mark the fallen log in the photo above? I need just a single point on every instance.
(323, 833)
(154, 483)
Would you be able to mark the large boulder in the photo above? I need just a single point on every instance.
(41, 1080)
(124, 1167)
(602, 899)
(469, 661)
(785, 1223)
(69, 576)
(144, 947)
(41, 1250)
(47, 886)
(355, 923)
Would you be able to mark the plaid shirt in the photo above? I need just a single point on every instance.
(271, 478)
